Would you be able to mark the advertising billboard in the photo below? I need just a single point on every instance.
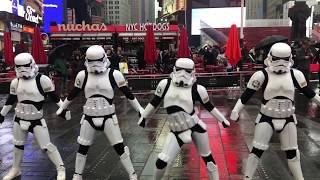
(33, 10)
(53, 11)
(215, 18)
(12, 6)
(215, 3)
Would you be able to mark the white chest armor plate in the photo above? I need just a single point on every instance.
(28, 90)
(98, 84)
(279, 85)
(179, 96)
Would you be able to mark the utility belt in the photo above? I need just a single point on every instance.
(278, 108)
(28, 112)
(28, 125)
(98, 106)
(98, 122)
(181, 121)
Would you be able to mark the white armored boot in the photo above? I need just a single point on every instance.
(80, 163)
(212, 171)
(252, 164)
(15, 170)
(127, 164)
(295, 167)
(55, 157)
(159, 173)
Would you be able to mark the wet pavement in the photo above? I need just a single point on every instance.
(230, 146)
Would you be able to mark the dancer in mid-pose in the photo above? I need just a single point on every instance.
(98, 83)
(29, 90)
(179, 94)
(277, 81)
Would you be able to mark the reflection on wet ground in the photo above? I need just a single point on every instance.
(230, 146)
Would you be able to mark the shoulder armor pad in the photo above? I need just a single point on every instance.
(161, 87)
(300, 79)
(203, 94)
(80, 79)
(119, 78)
(46, 83)
(13, 86)
(256, 81)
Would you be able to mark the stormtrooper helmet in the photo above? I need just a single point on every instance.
(25, 66)
(96, 60)
(279, 59)
(183, 74)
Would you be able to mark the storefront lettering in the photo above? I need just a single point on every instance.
(82, 27)
(16, 26)
(29, 15)
(143, 27)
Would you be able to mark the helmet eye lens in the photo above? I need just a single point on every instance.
(94, 60)
(23, 65)
(275, 58)
(187, 70)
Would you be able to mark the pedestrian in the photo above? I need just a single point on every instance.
(60, 67)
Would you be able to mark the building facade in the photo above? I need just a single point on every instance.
(117, 11)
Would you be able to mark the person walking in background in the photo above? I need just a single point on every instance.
(60, 67)
(302, 58)
(115, 59)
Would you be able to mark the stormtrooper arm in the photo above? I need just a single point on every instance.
(254, 84)
(122, 85)
(301, 83)
(10, 101)
(77, 88)
(155, 102)
(203, 97)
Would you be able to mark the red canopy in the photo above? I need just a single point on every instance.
(37, 48)
(8, 49)
(233, 51)
(150, 46)
(183, 50)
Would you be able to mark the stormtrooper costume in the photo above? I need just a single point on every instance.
(278, 82)
(98, 83)
(179, 94)
(29, 90)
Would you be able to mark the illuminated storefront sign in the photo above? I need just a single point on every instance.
(143, 26)
(28, 29)
(31, 15)
(135, 27)
(16, 27)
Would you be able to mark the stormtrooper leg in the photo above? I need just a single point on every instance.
(262, 135)
(169, 152)
(19, 137)
(41, 133)
(87, 134)
(201, 141)
(288, 140)
(112, 131)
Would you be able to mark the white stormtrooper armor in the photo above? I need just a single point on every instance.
(28, 91)
(179, 94)
(278, 82)
(25, 66)
(98, 83)
(96, 60)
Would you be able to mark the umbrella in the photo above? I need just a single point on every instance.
(267, 42)
(150, 46)
(37, 47)
(233, 51)
(63, 48)
(8, 49)
(183, 50)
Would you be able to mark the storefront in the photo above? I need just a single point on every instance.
(128, 36)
